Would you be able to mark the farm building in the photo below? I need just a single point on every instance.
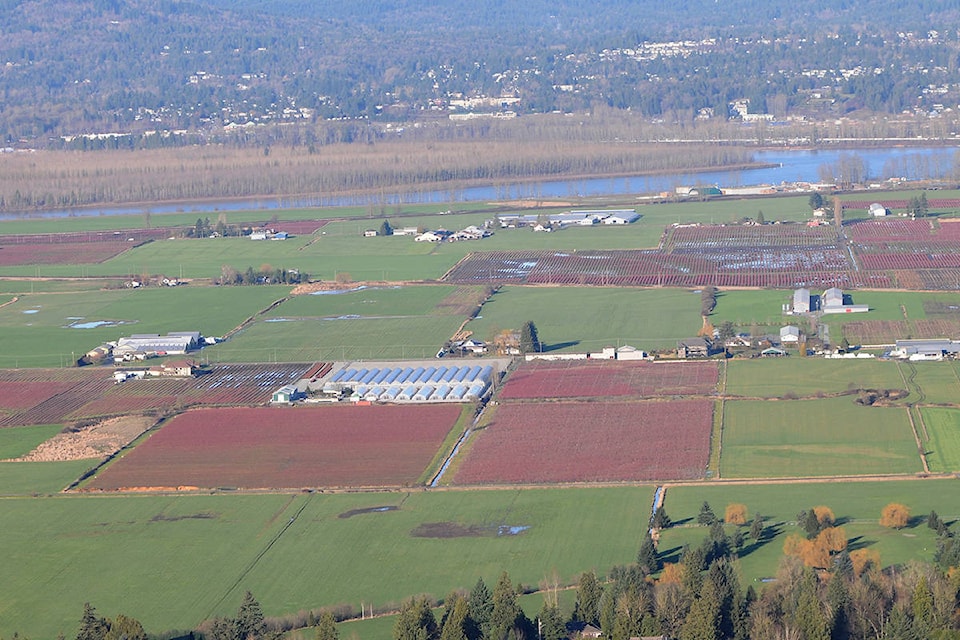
(933, 349)
(182, 368)
(833, 303)
(411, 383)
(286, 394)
(627, 216)
(877, 210)
(626, 352)
(789, 334)
(694, 348)
(801, 301)
(174, 343)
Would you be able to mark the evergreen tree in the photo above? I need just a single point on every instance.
(809, 616)
(481, 606)
(529, 339)
(816, 200)
(92, 626)
(660, 519)
(249, 621)
(456, 619)
(415, 621)
(385, 228)
(647, 558)
(703, 621)
(589, 592)
(756, 527)
(327, 627)
(550, 624)
(503, 618)
(706, 515)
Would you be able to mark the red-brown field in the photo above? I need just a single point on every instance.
(62, 253)
(591, 442)
(597, 379)
(74, 394)
(337, 446)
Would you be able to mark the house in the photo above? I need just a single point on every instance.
(476, 347)
(181, 368)
(877, 210)
(590, 631)
(694, 348)
(790, 334)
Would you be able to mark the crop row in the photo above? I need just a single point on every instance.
(732, 236)
(591, 379)
(909, 260)
(62, 253)
(285, 448)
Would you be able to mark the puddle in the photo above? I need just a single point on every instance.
(96, 324)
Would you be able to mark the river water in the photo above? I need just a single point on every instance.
(781, 166)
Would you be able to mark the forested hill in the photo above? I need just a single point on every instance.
(93, 66)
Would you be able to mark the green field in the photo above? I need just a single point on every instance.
(173, 561)
(371, 323)
(804, 377)
(857, 506)
(40, 478)
(18, 441)
(943, 447)
(590, 318)
(36, 331)
(938, 381)
(834, 436)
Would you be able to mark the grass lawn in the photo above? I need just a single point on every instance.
(832, 436)
(18, 441)
(803, 377)
(175, 560)
(37, 333)
(943, 447)
(40, 478)
(590, 318)
(857, 506)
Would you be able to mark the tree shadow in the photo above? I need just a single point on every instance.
(859, 543)
(671, 555)
(677, 523)
(546, 348)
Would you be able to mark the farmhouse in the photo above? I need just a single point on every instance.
(694, 348)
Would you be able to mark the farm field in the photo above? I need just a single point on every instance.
(47, 396)
(278, 448)
(18, 441)
(943, 446)
(591, 318)
(40, 478)
(341, 338)
(832, 436)
(372, 301)
(176, 560)
(938, 381)
(38, 333)
(542, 379)
(587, 442)
(804, 377)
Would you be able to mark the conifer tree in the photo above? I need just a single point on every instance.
(327, 627)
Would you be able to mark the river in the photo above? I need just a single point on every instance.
(778, 167)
